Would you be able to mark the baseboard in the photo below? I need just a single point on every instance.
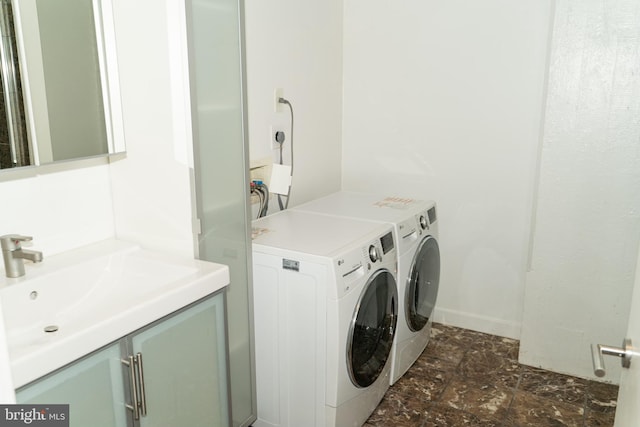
(474, 322)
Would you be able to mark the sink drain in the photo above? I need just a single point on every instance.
(51, 328)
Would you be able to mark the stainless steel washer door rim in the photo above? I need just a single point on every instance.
(422, 284)
(372, 328)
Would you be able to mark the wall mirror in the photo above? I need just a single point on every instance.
(60, 90)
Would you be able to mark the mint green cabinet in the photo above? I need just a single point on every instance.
(171, 373)
(185, 368)
(93, 387)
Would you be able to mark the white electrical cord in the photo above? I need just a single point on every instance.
(284, 101)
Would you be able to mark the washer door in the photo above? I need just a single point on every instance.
(372, 329)
(423, 283)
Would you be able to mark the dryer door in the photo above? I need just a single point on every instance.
(372, 329)
(423, 283)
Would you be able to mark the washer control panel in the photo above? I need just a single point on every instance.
(422, 220)
(360, 263)
(374, 254)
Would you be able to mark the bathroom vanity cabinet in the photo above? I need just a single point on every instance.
(172, 372)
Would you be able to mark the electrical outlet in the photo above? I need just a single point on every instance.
(273, 129)
(278, 93)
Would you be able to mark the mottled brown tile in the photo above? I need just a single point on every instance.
(421, 382)
(530, 410)
(499, 346)
(461, 337)
(489, 368)
(599, 419)
(448, 343)
(439, 415)
(602, 397)
(440, 332)
(450, 352)
(461, 379)
(555, 386)
(427, 361)
(486, 401)
(397, 410)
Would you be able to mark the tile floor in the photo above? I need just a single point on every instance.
(467, 378)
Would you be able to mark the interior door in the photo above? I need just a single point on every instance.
(628, 411)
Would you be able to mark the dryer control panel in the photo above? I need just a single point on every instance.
(359, 264)
(412, 230)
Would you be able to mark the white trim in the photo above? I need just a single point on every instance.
(488, 325)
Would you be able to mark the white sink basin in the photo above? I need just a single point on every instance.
(92, 296)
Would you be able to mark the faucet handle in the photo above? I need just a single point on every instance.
(11, 242)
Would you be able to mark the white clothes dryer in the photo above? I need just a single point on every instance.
(325, 313)
(416, 231)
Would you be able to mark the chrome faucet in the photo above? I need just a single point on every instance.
(13, 254)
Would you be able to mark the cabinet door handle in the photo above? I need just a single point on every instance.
(134, 389)
(143, 394)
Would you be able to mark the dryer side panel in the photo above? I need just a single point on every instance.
(290, 309)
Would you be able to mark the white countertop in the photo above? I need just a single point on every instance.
(94, 295)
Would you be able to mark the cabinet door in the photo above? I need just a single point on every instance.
(185, 368)
(93, 388)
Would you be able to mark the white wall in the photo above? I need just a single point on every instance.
(151, 187)
(588, 205)
(442, 100)
(62, 206)
(296, 45)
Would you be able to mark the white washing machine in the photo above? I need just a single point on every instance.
(416, 231)
(325, 313)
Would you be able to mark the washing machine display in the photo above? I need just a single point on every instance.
(372, 329)
(422, 284)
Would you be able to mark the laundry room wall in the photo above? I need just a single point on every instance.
(587, 224)
(443, 101)
(297, 46)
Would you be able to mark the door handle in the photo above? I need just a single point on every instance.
(143, 394)
(136, 378)
(135, 406)
(599, 350)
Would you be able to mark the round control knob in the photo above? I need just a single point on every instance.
(374, 255)
(423, 222)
